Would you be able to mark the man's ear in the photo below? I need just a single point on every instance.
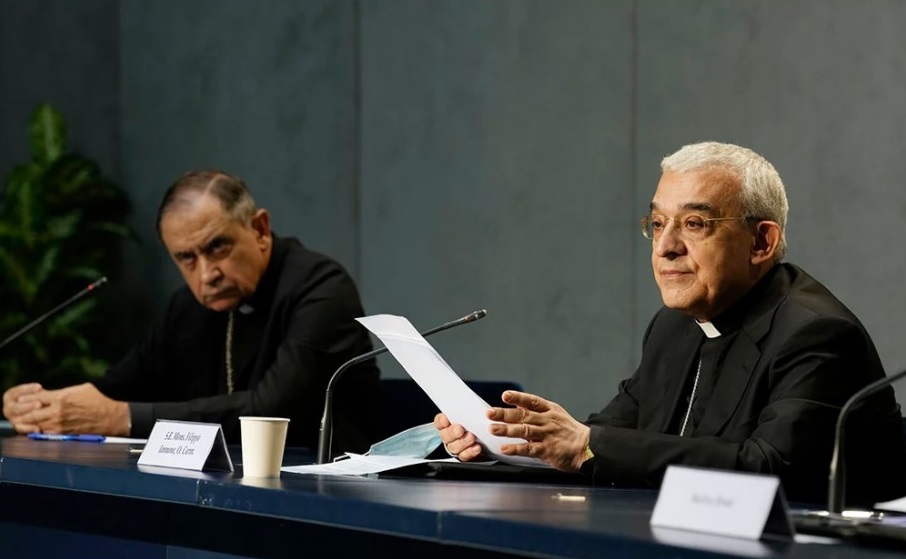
(261, 224)
(767, 239)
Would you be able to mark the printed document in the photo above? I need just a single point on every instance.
(448, 392)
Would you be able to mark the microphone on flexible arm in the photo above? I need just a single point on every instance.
(91, 287)
(325, 434)
(836, 490)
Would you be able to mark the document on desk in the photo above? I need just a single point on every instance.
(449, 393)
(358, 465)
(124, 440)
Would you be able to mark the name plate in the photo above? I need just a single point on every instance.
(186, 445)
(732, 504)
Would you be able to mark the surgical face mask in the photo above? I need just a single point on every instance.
(415, 442)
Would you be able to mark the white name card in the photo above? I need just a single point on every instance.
(186, 445)
(733, 504)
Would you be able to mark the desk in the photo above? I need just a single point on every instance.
(72, 499)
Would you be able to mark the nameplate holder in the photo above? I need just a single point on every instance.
(186, 445)
(732, 504)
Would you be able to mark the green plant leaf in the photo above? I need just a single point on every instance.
(113, 228)
(64, 226)
(75, 312)
(9, 231)
(22, 200)
(46, 266)
(73, 174)
(61, 223)
(84, 272)
(93, 368)
(16, 272)
(48, 135)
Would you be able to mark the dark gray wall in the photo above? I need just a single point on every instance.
(459, 154)
(265, 90)
(494, 143)
(66, 55)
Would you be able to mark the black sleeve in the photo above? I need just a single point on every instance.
(134, 377)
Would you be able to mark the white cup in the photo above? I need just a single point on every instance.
(263, 441)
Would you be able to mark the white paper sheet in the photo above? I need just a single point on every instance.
(358, 464)
(124, 440)
(448, 392)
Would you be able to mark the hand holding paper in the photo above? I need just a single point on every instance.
(451, 395)
(556, 437)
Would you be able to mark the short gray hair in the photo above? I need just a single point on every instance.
(762, 195)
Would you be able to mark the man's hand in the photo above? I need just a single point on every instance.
(458, 442)
(18, 402)
(553, 435)
(80, 409)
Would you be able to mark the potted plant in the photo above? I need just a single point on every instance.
(62, 226)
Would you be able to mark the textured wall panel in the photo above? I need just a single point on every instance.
(496, 161)
(265, 90)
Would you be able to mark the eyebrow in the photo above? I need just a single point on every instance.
(209, 245)
(205, 247)
(697, 206)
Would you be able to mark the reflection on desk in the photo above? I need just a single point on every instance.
(58, 497)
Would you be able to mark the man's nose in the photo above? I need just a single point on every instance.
(210, 272)
(669, 242)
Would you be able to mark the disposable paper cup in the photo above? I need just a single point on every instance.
(263, 441)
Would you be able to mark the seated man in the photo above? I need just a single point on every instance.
(744, 368)
(258, 329)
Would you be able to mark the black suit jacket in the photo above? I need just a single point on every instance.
(300, 329)
(798, 356)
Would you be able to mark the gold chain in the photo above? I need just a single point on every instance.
(691, 398)
(229, 354)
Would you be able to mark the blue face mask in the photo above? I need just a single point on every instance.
(415, 442)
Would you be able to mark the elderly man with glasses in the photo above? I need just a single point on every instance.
(746, 366)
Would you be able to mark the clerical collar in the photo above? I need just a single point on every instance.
(732, 319)
(709, 329)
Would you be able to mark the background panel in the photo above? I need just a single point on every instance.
(496, 161)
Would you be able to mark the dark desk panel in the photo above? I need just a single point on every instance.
(56, 497)
(96, 467)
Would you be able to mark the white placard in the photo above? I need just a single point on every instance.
(186, 445)
(733, 504)
(895, 505)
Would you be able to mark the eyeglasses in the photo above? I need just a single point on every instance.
(689, 226)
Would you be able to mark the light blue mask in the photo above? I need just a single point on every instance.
(415, 442)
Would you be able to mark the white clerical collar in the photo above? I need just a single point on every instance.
(709, 329)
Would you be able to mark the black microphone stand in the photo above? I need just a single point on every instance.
(325, 434)
(91, 287)
(836, 490)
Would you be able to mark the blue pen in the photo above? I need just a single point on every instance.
(57, 437)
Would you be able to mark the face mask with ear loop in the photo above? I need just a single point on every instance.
(415, 442)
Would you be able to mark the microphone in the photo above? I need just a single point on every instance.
(325, 434)
(91, 287)
(836, 489)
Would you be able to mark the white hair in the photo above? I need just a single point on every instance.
(761, 195)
